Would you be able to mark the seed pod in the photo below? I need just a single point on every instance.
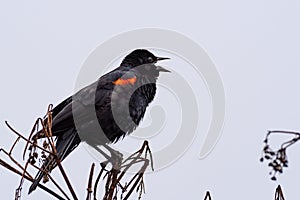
(32, 161)
(273, 178)
(267, 157)
(45, 144)
(35, 154)
(45, 178)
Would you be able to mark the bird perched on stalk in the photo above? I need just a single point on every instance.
(106, 110)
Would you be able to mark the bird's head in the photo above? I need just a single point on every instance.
(143, 57)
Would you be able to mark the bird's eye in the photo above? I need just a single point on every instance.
(150, 60)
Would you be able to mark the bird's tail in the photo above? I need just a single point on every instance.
(39, 177)
(65, 144)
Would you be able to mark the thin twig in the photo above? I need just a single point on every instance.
(48, 134)
(140, 175)
(13, 146)
(21, 136)
(90, 182)
(12, 169)
(119, 168)
(207, 196)
(66, 180)
(53, 181)
(279, 193)
(278, 158)
(29, 138)
(14, 161)
(103, 165)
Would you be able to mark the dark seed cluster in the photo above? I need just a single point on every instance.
(42, 157)
(33, 155)
(277, 159)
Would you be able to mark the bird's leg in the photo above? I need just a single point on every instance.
(116, 157)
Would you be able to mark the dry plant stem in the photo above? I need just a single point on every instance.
(12, 169)
(107, 185)
(59, 188)
(279, 193)
(207, 196)
(13, 146)
(25, 174)
(26, 165)
(62, 171)
(277, 159)
(103, 165)
(29, 142)
(114, 182)
(18, 195)
(140, 176)
(35, 126)
(287, 132)
(21, 136)
(113, 179)
(289, 142)
(90, 182)
(137, 154)
(48, 130)
(51, 142)
(119, 169)
(135, 158)
(54, 182)
(19, 189)
(48, 133)
(14, 161)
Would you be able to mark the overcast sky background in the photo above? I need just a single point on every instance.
(254, 45)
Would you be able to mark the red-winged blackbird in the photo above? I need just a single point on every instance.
(121, 94)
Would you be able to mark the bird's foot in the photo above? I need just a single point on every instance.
(104, 164)
(116, 158)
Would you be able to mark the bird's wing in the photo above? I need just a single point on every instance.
(85, 100)
(61, 106)
(94, 94)
(97, 92)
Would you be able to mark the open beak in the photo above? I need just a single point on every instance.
(161, 69)
(161, 58)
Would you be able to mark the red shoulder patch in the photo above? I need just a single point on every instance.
(121, 81)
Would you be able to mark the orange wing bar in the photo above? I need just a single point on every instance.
(125, 81)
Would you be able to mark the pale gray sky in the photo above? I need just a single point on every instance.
(254, 45)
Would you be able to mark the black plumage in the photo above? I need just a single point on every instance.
(117, 102)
